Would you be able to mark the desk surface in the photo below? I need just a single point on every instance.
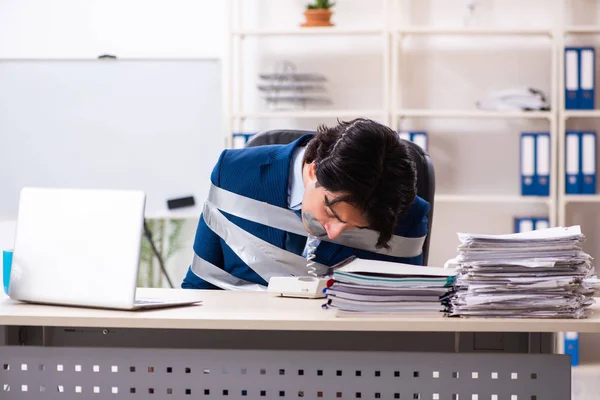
(262, 311)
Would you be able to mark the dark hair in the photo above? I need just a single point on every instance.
(369, 163)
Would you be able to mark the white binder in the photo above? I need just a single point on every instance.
(527, 164)
(238, 142)
(571, 78)
(542, 223)
(525, 225)
(572, 184)
(543, 164)
(420, 139)
(588, 163)
(586, 79)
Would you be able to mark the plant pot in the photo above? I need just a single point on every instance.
(318, 17)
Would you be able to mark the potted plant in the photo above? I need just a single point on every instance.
(318, 13)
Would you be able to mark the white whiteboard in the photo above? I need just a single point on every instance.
(154, 125)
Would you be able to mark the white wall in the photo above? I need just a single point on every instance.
(127, 28)
(471, 156)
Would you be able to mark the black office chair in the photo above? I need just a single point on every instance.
(425, 170)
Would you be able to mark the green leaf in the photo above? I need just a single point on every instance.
(320, 4)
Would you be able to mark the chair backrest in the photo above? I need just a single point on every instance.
(424, 165)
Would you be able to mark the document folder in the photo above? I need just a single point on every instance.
(572, 347)
(420, 139)
(571, 78)
(587, 78)
(573, 163)
(240, 139)
(541, 223)
(542, 170)
(528, 187)
(523, 225)
(588, 163)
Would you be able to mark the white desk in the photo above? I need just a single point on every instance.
(262, 311)
(254, 345)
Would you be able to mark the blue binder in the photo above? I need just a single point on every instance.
(588, 162)
(240, 139)
(531, 224)
(541, 223)
(527, 164)
(587, 78)
(571, 342)
(571, 78)
(542, 164)
(524, 225)
(572, 162)
(420, 139)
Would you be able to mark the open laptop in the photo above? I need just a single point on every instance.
(80, 247)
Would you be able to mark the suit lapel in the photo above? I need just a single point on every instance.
(274, 174)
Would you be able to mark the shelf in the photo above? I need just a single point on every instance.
(581, 113)
(310, 114)
(473, 114)
(471, 198)
(474, 31)
(582, 198)
(309, 32)
(582, 29)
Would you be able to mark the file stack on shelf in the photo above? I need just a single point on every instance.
(374, 287)
(287, 89)
(537, 274)
(515, 99)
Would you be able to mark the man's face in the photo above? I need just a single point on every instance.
(321, 216)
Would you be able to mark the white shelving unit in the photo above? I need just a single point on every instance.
(237, 114)
(472, 31)
(573, 198)
(400, 33)
(309, 114)
(565, 115)
(308, 32)
(498, 199)
(582, 29)
(473, 114)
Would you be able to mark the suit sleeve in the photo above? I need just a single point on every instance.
(418, 228)
(207, 245)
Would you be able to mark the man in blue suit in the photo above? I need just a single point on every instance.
(350, 189)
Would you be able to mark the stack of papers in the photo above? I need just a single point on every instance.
(367, 286)
(515, 99)
(538, 274)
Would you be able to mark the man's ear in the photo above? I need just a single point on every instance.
(312, 171)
